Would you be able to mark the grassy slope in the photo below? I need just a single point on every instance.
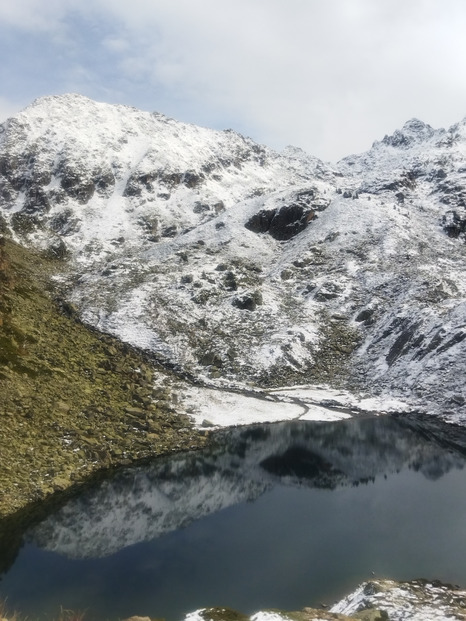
(71, 400)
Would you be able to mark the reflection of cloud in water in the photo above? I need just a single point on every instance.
(145, 502)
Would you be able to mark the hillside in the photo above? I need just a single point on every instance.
(240, 265)
(73, 400)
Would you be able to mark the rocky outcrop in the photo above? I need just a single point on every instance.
(416, 600)
(377, 600)
(282, 224)
(454, 223)
(413, 131)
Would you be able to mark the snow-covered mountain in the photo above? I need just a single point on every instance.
(238, 263)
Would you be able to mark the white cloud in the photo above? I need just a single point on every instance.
(330, 76)
(117, 45)
(34, 14)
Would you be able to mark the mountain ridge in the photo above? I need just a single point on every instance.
(240, 264)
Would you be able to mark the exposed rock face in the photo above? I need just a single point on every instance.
(412, 132)
(281, 224)
(248, 301)
(350, 275)
(454, 223)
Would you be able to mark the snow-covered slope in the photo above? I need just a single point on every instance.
(238, 263)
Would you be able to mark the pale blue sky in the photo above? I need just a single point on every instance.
(329, 76)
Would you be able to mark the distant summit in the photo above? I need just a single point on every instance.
(412, 131)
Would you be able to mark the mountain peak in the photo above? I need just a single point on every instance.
(412, 131)
(60, 102)
(417, 126)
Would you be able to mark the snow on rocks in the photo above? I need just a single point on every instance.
(217, 407)
(232, 261)
(417, 600)
(377, 600)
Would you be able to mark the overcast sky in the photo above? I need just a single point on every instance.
(329, 76)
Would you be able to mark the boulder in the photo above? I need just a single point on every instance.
(283, 223)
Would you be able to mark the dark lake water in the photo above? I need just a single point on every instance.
(282, 516)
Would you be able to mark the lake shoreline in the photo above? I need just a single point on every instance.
(374, 600)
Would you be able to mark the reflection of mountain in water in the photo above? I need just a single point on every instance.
(143, 503)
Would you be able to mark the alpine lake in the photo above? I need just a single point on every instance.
(282, 516)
